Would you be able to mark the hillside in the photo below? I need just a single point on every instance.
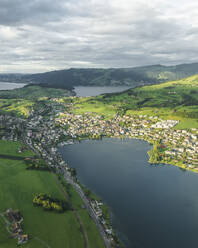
(113, 77)
(34, 92)
(174, 100)
(133, 77)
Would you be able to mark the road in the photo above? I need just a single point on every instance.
(69, 179)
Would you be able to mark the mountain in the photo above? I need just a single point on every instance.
(109, 77)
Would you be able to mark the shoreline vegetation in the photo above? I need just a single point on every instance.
(170, 146)
(154, 154)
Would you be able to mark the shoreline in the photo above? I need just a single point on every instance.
(94, 195)
(182, 166)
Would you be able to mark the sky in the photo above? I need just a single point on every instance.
(45, 35)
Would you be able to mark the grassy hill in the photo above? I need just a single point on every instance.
(173, 100)
(33, 92)
(20, 101)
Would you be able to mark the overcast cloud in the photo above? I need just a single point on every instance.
(43, 35)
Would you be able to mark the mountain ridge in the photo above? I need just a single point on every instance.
(132, 76)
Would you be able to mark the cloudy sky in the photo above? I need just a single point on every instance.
(43, 35)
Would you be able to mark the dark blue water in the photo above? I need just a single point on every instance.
(152, 206)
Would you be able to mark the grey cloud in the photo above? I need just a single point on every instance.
(22, 12)
(40, 35)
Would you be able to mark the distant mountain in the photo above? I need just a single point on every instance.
(110, 77)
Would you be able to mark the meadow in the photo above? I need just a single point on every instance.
(45, 229)
(12, 148)
(19, 107)
(30, 92)
(172, 100)
(21, 101)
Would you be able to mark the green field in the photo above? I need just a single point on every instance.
(21, 101)
(17, 188)
(20, 107)
(33, 92)
(12, 148)
(172, 100)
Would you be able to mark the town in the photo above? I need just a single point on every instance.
(43, 133)
(176, 147)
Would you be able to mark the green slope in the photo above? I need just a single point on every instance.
(21, 101)
(172, 100)
(33, 92)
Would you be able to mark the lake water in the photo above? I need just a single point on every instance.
(10, 86)
(94, 91)
(152, 206)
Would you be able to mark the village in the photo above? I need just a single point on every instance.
(177, 147)
(13, 221)
(43, 135)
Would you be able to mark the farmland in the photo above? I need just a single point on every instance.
(17, 188)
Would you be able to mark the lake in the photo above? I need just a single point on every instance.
(10, 86)
(152, 206)
(97, 90)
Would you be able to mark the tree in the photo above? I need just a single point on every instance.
(73, 172)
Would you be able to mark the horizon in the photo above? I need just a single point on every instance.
(103, 68)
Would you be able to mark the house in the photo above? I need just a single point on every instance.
(22, 239)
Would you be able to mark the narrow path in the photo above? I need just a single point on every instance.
(43, 242)
(75, 212)
(6, 221)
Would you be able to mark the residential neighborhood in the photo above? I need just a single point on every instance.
(179, 146)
